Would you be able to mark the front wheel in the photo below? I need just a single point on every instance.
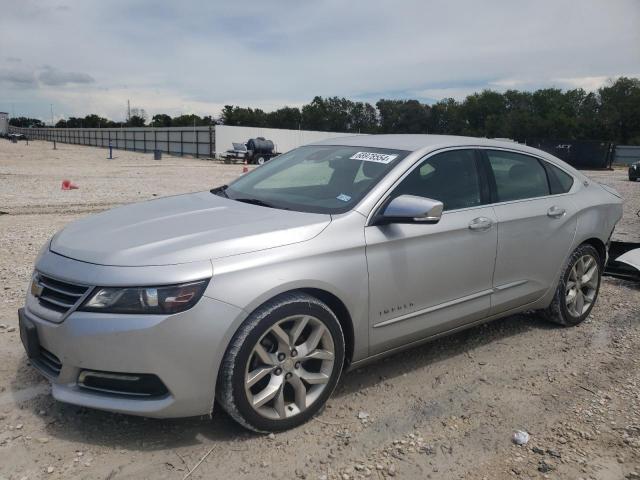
(578, 287)
(282, 364)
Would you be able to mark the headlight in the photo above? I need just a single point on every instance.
(161, 300)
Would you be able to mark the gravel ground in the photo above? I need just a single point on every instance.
(445, 410)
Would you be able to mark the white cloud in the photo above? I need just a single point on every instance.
(197, 56)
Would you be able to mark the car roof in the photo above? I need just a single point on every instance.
(414, 142)
(428, 143)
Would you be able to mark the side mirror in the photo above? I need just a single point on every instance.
(411, 209)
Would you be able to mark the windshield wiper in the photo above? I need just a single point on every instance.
(256, 201)
(220, 191)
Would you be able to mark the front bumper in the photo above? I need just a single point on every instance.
(183, 350)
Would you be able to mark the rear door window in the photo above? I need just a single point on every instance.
(559, 180)
(517, 176)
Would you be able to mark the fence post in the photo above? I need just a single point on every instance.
(210, 141)
(144, 140)
(197, 140)
(181, 145)
(168, 141)
(155, 140)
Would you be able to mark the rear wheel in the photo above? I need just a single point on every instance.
(282, 364)
(260, 161)
(578, 287)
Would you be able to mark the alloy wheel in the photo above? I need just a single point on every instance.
(582, 285)
(289, 367)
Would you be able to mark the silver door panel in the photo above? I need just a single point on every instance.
(534, 239)
(424, 279)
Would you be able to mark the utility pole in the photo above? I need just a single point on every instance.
(52, 114)
(128, 111)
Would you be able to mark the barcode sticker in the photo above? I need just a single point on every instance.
(374, 157)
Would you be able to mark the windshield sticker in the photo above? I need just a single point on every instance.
(373, 157)
(343, 197)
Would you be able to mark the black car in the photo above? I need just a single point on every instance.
(634, 171)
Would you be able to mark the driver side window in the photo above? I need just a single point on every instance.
(450, 177)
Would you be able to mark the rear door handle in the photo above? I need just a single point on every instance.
(480, 224)
(556, 212)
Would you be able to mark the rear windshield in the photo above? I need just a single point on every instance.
(318, 179)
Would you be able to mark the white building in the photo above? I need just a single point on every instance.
(284, 140)
(4, 123)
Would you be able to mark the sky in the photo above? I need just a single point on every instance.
(85, 56)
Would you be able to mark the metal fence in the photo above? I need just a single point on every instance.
(196, 141)
(627, 154)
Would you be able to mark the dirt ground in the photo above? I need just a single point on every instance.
(446, 410)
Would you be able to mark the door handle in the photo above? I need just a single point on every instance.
(480, 224)
(556, 212)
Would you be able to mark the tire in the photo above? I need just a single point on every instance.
(260, 161)
(632, 179)
(256, 348)
(565, 308)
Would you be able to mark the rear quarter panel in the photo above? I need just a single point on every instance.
(598, 213)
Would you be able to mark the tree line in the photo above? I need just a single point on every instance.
(612, 113)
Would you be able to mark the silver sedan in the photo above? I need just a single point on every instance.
(258, 294)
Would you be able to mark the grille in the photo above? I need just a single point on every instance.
(49, 362)
(57, 295)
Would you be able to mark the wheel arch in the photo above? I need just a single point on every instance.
(336, 305)
(600, 247)
(340, 310)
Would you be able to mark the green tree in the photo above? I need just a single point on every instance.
(161, 120)
(26, 122)
(95, 121)
(186, 121)
(620, 110)
(363, 118)
(135, 121)
(403, 116)
(286, 117)
(447, 117)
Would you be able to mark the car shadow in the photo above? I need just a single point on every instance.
(130, 433)
(441, 349)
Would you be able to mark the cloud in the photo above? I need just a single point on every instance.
(193, 57)
(52, 77)
(17, 78)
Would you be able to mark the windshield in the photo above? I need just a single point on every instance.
(319, 179)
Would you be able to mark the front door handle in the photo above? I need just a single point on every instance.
(556, 212)
(480, 224)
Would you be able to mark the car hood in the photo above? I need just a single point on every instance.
(181, 229)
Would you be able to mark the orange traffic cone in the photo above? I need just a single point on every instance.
(245, 169)
(68, 185)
